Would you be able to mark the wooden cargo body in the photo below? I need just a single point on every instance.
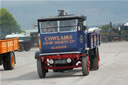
(9, 45)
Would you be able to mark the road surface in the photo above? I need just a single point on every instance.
(113, 70)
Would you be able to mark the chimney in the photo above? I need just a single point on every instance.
(62, 13)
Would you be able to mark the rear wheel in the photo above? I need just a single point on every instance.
(9, 61)
(85, 65)
(96, 59)
(41, 71)
(90, 59)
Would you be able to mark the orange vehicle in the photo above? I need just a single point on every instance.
(7, 56)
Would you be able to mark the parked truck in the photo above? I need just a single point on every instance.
(65, 43)
(25, 41)
(7, 56)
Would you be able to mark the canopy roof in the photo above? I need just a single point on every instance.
(62, 18)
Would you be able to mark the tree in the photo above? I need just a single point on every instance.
(105, 27)
(8, 24)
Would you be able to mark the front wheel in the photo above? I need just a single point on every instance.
(85, 65)
(41, 71)
(9, 61)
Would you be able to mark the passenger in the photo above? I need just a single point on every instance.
(50, 28)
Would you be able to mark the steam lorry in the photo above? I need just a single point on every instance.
(65, 43)
(7, 56)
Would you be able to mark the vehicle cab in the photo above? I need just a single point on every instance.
(62, 34)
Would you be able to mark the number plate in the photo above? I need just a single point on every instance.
(60, 62)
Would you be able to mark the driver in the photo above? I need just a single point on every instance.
(50, 28)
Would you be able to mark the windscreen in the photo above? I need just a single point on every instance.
(68, 25)
(58, 26)
(48, 26)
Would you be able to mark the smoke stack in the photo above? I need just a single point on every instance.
(62, 13)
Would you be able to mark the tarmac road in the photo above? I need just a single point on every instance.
(113, 70)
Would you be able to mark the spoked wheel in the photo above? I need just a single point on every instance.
(41, 71)
(9, 61)
(96, 60)
(85, 65)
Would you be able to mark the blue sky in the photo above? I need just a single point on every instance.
(98, 12)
